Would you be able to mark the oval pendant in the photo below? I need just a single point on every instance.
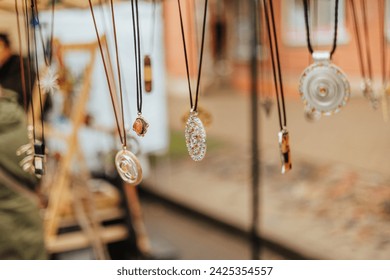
(128, 166)
(195, 135)
(323, 86)
(140, 126)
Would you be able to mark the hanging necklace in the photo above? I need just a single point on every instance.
(283, 135)
(148, 73)
(365, 67)
(127, 164)
(140, 125)
(39, 145)
(195, 133)
(324, 88)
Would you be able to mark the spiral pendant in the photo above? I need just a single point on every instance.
(195, 135)
(128, 166)
(324, 88)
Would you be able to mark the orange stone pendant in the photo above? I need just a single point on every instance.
(284, 146)
(140, 126)
(148, 73)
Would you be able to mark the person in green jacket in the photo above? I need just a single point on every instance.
(21, 225)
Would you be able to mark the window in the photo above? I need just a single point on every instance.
(321, 22)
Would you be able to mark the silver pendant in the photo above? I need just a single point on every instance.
(195, 135)
(284, 147)
(368, 92)
(128, 166)
(323, 86)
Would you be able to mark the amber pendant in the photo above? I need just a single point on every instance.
(284, 146)
(195, 135)
(39, 159)
(140, 126)
(128, 166)
(148, 73)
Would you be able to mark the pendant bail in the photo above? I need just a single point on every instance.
(321, 56)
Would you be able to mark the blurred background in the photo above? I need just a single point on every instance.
(333, 204)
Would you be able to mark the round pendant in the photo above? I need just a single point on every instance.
(324, 87)
(140, 126)
(128, 166)
(195, 135)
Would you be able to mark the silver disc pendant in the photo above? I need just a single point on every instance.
(128, 166)
(323, 86)
(195, 135)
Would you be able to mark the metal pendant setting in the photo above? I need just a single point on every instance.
(195, 135)
(128, 166)
(323, 86)
(284, 147)
(39, 158)
(140, 126)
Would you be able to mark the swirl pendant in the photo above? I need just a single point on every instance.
(128, 166)
(195, 135)
(324, 87)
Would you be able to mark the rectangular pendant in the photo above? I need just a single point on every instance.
(39, 158)
(148, 73)
(284, 146)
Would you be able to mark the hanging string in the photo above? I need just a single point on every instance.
(21, 61)
(110, 88)
(194, 106)
(151, 32)
(137, 53)
(34, 22)
(381, 16)
(273, 44)
(358, 39)
(367, 38)
(306, 12)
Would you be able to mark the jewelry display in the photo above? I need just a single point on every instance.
(195, 133)
(323, 87)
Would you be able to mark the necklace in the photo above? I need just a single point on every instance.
(385, 85)
(127, 164)
(283, 134)
(365, 67)
(323, 87)
(140, 125)
(195, 133)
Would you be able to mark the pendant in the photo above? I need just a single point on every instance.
(49, 81)
(128, 167)
(195, 135)
(284, 147)
(204, 115)
(39, 158)
(323, 86)
(148, 73)
(140, 125)
(369, 93)
(385, 102)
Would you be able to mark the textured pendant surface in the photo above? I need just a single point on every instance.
(49, 81)
(195, 135)
(128, 166)
(284, 146)
(323, 86)
(140, 126)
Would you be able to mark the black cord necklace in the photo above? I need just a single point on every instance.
(278, 83)
(324, 87)
(147, 59)
(195, 133)
(140, 125)
(127, 164)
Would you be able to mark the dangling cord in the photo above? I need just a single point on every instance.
(34, 22)
(277, 82)
(366, 38)
(306, 12)
(110, 87)
(194, 106)
(381, 16)
(358, 39)
(21, 61)
(152, 31)
(137, 54)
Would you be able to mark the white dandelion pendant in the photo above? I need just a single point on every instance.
(128, 166)
(49, 81)
(324, 88)
(195, 135)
